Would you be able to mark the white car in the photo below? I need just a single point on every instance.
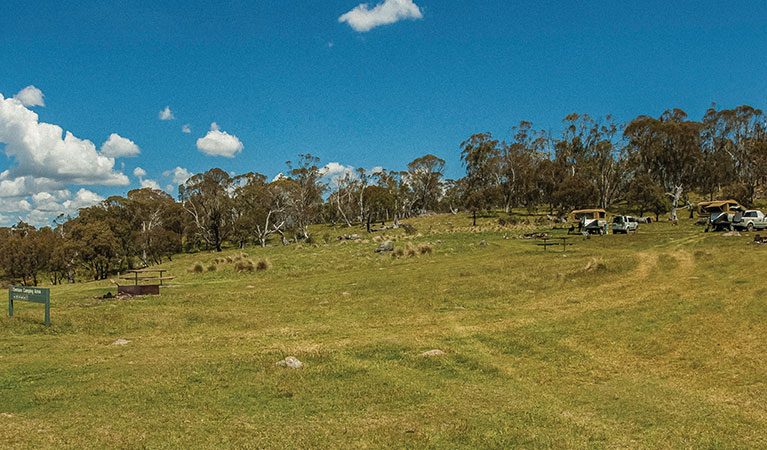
(750, 220)
(624, 224)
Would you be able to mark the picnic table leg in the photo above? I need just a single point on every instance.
(10, 306)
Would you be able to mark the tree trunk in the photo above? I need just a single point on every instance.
(474, 218)
(675, 196)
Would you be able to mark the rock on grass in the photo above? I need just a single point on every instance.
(434, 352)
(291, 362)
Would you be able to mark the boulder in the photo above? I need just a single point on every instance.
(291, 362)
(385, 246)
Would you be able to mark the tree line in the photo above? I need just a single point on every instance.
(650, 164)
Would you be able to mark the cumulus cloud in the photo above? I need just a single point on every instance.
(39, 151)
(150, 184)
(83, 199)
(119, 147)
(138, 172)
(179, 175)
(219, 143)
(30, 96)
(166, 114)
(363, 19)
(185, 129)
(48, 205)
(335, 172)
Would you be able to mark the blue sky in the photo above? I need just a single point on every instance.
(284, 78)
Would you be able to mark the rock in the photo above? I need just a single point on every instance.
(291, 362)
(731, 234)
(434, 352)
(5, 414)
(121, 342)
(385, 246)
(483, 243)
(346, 294)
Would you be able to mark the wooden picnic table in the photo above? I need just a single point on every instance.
(563, 242)
(137, 275)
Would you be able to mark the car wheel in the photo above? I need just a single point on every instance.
(750, 227)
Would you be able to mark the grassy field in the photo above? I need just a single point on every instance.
(653, 340)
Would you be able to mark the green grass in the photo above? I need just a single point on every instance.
(659, 345)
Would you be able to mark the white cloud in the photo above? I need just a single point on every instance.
(335, 172)
(39, 151)
(179, 175)
(83, 199)
(375, 170)
(150, 184)
(119, 147)
(219, 143)
(166, 114)
(363, 19)
(185, 129)
(30, 96)
(138, 172)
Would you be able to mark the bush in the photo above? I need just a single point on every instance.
(410, 249)
(212, 268)
(425, 249)
(309, 240)
(263, 264)
(326, 238)
(197, 268)
(398, 252)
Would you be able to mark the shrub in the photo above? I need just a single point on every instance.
(398, 252)
(309, 239)
(212, 268)
(326, 238)
(410, 249)
(263, 264)
(197, 268)
(425, 249)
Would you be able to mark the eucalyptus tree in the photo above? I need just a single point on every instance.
(668, 149)
(306, 199)
(206, 198)
(734, 142)
(425, 179)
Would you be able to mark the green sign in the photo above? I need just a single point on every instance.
(30, 294)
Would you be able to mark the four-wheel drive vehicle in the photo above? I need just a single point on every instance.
(750, 220)
(624, 224)
(589, 220)
(721, 214)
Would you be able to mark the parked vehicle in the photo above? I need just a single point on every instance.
(721, 214)
(750, 220)
(592, 221)
(624, 224)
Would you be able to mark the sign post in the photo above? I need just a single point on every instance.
(33, 295)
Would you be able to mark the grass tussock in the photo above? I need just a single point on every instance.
(595, 265)
(425, 249)
(212, 268)
(263, 264)
(244, 265)
(197, 268)
(410, 250)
